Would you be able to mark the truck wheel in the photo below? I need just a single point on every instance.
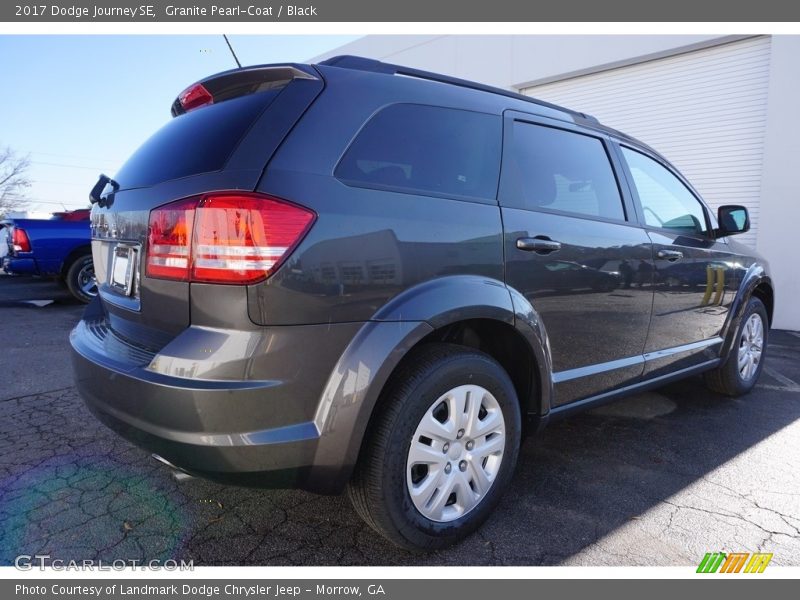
(80, 279)
(442, 449)
(746, 359)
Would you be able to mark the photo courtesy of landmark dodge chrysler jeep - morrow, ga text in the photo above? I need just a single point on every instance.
(355, 275)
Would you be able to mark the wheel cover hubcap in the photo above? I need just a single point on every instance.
(455, 453)
(751, 347)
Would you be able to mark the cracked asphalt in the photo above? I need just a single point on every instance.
(657, 479)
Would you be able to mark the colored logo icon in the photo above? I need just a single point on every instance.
(734, 562)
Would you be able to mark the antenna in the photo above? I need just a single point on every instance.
(227, 41)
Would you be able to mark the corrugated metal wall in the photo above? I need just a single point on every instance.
(704, 110)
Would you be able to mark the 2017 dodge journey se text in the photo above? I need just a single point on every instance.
(355, 275)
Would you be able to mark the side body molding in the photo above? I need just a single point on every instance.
(355, 384)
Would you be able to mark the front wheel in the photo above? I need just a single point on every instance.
(740, 372)
(442, 449)
(80, 279)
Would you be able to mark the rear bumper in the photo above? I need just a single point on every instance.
(20, 266)
(258, 432)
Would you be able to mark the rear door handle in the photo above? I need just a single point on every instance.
(540, 245)
(670, 255)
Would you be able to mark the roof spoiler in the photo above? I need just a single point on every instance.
(239, 82)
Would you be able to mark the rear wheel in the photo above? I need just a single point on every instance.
(441, 451)
(80, 278)
(746, 359)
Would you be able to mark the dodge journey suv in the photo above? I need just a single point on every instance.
(355, 275)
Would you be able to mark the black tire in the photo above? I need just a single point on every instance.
(378, 489)
(75, 278)
(727, 379)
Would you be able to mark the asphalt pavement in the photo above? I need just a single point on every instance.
(657, 479)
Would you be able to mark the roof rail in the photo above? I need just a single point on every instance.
(360, 63)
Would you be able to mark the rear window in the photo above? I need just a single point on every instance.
(199, 141)
(426, 149)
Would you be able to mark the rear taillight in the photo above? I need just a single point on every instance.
(20, 241)
(169, 240)
(195, 96)
(233, 238)
(243, 238)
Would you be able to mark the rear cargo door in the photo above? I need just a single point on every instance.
(223, 144)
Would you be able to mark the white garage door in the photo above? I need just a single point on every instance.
(704, 110)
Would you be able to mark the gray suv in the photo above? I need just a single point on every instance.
(355, 275)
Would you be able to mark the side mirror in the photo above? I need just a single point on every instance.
(732, 219)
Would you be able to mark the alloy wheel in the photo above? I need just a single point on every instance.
(87, 282)
(751, 347)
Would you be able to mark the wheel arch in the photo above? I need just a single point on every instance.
(433, 311)
(764, 292)
(757, 283)
(503, 343)
(74, 255)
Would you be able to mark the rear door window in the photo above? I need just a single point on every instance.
(558, 170)
(428, 150)
(199, 141)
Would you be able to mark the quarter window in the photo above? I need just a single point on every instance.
(426, 149)
(555, 169)
(666, 202)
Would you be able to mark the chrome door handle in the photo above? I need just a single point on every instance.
(670, 255)
(540, 245)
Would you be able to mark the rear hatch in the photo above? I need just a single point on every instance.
(223, 132)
